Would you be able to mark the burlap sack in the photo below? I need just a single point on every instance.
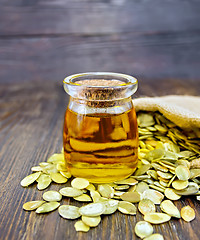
(184, 111)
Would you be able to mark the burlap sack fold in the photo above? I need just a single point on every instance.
(184, 111)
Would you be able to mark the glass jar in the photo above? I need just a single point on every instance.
(100, 134)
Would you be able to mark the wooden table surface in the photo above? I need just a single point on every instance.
(31, 130)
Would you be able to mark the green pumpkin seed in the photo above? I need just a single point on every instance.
(111, 206)
(48, 207)
(58, 178)
(133, 197)
(182, 172)
(191, 189)
(28, 180)
(155, 236)
(127, 208)
(56, 157)
(80, 183)
(106, 190)
(52, 196)
(37, 169)
(90, 187)
(92, 209)
(187, 213)
(146, 206)
(44, 181)
(123, 187)
(179, 184)
(157, 218)
(66, 174)
(153, 195)
(32, 205)
(70, 192)
(155, 154)
(142, 170)
(164, 175)
(69, 212)
(80, 226)
(95, 196)
(91, 221)
(143, 229)
(171, 194)
(83, 198)
(128, 181)
(141, 187)
(168, 207)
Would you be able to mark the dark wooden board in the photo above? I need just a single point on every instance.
(97, 17)
(31, 130)
(51, 39)
(155, 56)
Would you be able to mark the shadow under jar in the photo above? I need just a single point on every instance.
(100, 134)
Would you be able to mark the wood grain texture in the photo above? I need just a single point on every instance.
(51, 39)
(31, 130)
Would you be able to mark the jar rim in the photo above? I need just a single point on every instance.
(130, 80)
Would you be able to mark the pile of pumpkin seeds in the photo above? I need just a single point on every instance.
(168, 168)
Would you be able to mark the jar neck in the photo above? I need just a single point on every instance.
(82, 106)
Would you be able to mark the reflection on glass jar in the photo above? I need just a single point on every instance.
(100, 133)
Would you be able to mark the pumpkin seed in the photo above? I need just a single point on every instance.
(80, 183)
(157, 218)
(146, 206)
(180, 184)
(37, 169)
(133, 197)
(155, 236)
(95, 196)
(61, 167)
(171, 194)
(155, 154)
(127, 208)
(164, 175)
(70, 192)
(52, 196)
(56, 157)
(92, 209)
(127, 181)
(91, 221)
(111, 206)
(145, 120)
(90, 187)
(187, 213)
(141, 187)
(142, 170)
(30, 179)
(66, 174)
(58, 178)
(32, 205)
(48, 207)
(153, 195)
(191, 189)
(182, 172)
(123, 187)
(44, 181)
(143, 229)
(69, 212)
(168, 207)
(80, 226)
(106, 190)
(198, 198)
(83, 198)
(153, 174)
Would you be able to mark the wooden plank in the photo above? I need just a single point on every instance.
(31, 130)
(98, 17)
(145, 56)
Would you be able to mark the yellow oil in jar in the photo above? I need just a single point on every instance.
(101, 147)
